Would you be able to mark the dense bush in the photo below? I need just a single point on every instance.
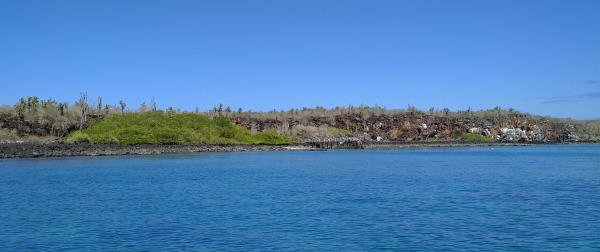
(475, 138)
(337, 132)
(79, 137)
(171, 128)
(270, 137)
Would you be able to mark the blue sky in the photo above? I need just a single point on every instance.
(540, 57)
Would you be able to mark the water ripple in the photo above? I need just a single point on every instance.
(454, 199)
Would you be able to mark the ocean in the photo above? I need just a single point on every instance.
(517, 198)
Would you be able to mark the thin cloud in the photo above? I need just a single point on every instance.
(573, 98)
(591, 82)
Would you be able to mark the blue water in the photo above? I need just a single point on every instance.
(538, 198)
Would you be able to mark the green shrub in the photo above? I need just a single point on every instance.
(171, 128)
(475, 138)
(78, 137)
(270, 137)
(113, 140)
(337, 132)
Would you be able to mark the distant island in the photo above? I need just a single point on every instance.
(45, 123)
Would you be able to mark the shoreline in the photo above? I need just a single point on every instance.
(37, 150)
(392, 145)
(40, 150)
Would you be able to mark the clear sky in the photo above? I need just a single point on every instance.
(540, 57)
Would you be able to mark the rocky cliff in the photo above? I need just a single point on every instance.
(414, 126)
(27, 127)
(348, 126)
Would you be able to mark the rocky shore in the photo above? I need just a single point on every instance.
(35, 149)
(400, 144)
(28, 149)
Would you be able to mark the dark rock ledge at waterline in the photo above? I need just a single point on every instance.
(26, 150)
(35, 149)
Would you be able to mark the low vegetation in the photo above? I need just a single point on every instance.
(170, 128)
(34, 119)
(470, 137)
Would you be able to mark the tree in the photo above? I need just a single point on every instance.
(143, 107)
(412, 109)
(152, 105)
(84, 109)
(20, 108)
(446, 111)
(49, 104)
(122, 103)
(61, 107)
(32, 103)
(99, 104)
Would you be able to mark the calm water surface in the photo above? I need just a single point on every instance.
(539, 198)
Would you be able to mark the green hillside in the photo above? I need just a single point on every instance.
(170, 128)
